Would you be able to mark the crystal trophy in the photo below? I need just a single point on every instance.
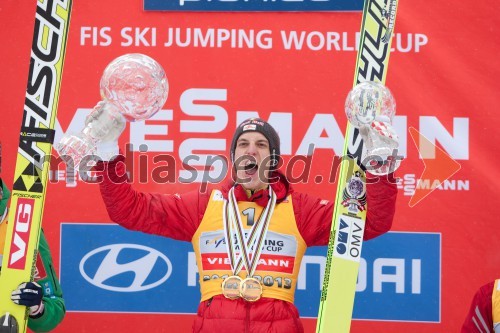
(133, 87)
(370, 107)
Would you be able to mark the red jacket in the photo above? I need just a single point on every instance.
(178, 216)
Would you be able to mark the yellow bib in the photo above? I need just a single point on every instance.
(495, 302)
(279, 262)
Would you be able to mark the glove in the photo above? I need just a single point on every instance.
(381, 141)
(29, 294)
(106, 124)
(383, 126)
(106, 151)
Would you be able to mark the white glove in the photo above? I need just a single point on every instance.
(106, 125)
(107, 151)
(380, 142)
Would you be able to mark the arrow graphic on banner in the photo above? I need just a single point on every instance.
(438, 167)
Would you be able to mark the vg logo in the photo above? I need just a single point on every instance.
(125, 267)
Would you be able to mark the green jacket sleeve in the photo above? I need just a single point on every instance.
(52, 294)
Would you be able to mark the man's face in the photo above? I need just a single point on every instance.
(251, 159)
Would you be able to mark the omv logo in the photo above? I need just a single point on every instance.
(125, 267)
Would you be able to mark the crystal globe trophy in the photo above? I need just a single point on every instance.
(133, 87)
(370, 107)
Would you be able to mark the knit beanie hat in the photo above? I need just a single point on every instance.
(261, 126)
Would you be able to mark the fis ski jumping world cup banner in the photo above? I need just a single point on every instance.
(292, 66)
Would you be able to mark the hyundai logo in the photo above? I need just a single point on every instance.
(125, 267)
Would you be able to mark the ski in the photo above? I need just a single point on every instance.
(33, 154)
(348, 223)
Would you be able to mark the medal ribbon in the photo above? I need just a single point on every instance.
(249, 256)
(259, 229)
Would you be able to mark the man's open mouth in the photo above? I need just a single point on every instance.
(251, 168)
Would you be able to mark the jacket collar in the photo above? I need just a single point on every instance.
(279, 184)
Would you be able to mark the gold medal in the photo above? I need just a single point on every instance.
(250, 289)
(231, 287)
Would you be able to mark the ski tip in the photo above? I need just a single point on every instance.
(8, 324)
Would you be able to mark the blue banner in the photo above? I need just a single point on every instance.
(254, 5)
(399, 279)
(117, 270)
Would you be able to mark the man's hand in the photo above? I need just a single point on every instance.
(381, 144)
(106, 125)
(107, 151)
(29, 294)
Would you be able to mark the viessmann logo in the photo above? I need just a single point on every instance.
(125, 267)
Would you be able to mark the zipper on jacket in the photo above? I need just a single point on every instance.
(247, 318)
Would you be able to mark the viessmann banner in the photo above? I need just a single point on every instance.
(293, 69)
